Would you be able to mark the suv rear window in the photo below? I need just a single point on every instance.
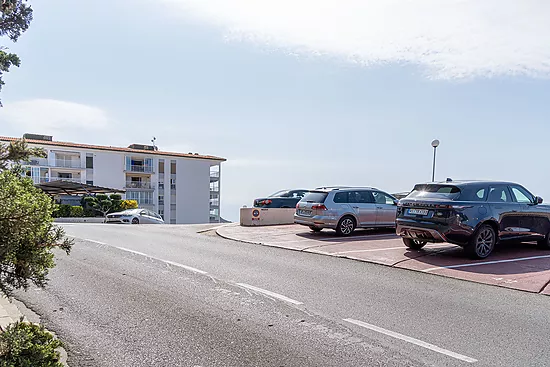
(435, 191)
(315, 197)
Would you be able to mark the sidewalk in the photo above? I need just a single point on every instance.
(516, 266)
(9, 313)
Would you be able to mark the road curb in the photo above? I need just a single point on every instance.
(10, 314)
(348, 257)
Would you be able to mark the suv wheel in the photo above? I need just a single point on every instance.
(346, 226)
(482, 242)
(545, 243)
(414, 244)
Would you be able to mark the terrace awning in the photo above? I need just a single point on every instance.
(62, 187)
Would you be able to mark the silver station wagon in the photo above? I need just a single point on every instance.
(345, 209)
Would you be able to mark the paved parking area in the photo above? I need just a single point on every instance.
(517, 266)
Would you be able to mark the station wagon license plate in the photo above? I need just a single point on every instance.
(418, 211)
(306, 213)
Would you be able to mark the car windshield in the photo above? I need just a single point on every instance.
(435, 191)
(131, 211)
(314, 197)
(279, 194)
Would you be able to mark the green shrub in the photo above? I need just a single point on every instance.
(62, 211)
(77, 211)
(28, 345)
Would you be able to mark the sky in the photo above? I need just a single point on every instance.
(296, 93)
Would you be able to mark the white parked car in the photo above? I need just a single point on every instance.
(135, 216)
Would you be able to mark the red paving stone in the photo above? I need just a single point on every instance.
(502, 268)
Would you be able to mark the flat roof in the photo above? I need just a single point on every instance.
(75, 188)
(113, 149)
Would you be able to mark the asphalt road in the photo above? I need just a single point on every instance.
(166, 296)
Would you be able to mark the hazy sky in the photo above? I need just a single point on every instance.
(296, 93)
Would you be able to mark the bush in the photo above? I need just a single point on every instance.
(28, 345)
(128, 204)
(77, 211)
(62, 211)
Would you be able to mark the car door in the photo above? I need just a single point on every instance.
(386, 209)
(505, 211)
(530, 222)
(362, 202)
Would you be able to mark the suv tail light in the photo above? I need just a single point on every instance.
(319, 207)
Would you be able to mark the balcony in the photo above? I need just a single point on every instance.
(214, 176)
(66, 163)
(42, 162)
(139, 185)
(214, 203)
(139, 168)
(74, 179)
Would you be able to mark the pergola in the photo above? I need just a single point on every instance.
(63, 187)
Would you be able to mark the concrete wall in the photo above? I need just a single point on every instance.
(109, 169)
(266, 217)
(193, 191)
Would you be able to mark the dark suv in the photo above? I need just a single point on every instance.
(472, 214)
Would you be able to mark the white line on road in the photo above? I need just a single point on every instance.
(414, 341)
(487, 263)
(271, 294)
(195, 270)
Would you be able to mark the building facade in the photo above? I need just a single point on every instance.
(182, 188)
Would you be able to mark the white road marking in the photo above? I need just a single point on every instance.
(414, 341)
(271, 294)
(487, 263)
(98, 242)
(194, 270)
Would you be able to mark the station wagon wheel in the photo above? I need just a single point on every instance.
(482, 242)
(135, 221)
(346, 226)
(414, 244)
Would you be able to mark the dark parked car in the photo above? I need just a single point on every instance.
(475, 215)
(281, 199)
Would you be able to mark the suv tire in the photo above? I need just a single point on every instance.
(414, 244)
(545, 243)
(345, 226)
(482, 243)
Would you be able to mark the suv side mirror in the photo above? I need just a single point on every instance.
(395, 202)
(538, 200)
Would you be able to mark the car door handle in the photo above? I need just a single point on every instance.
(355, 207)
(379, 207)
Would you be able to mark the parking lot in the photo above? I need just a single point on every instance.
(517, 266)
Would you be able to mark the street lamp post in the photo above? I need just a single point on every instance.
(435, 144)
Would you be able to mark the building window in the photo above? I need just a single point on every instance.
(89, 182)
(161, 199)
(172, 206)
(161, 185)
(172, 220)
(89, 161)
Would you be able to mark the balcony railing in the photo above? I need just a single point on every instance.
(43, 162)
(52, 179)
(139, 168)
(66, 163)
(214, 202)
(139, 185)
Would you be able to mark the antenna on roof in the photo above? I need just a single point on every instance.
(153, 141)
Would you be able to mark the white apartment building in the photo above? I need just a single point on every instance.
(182, 188)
